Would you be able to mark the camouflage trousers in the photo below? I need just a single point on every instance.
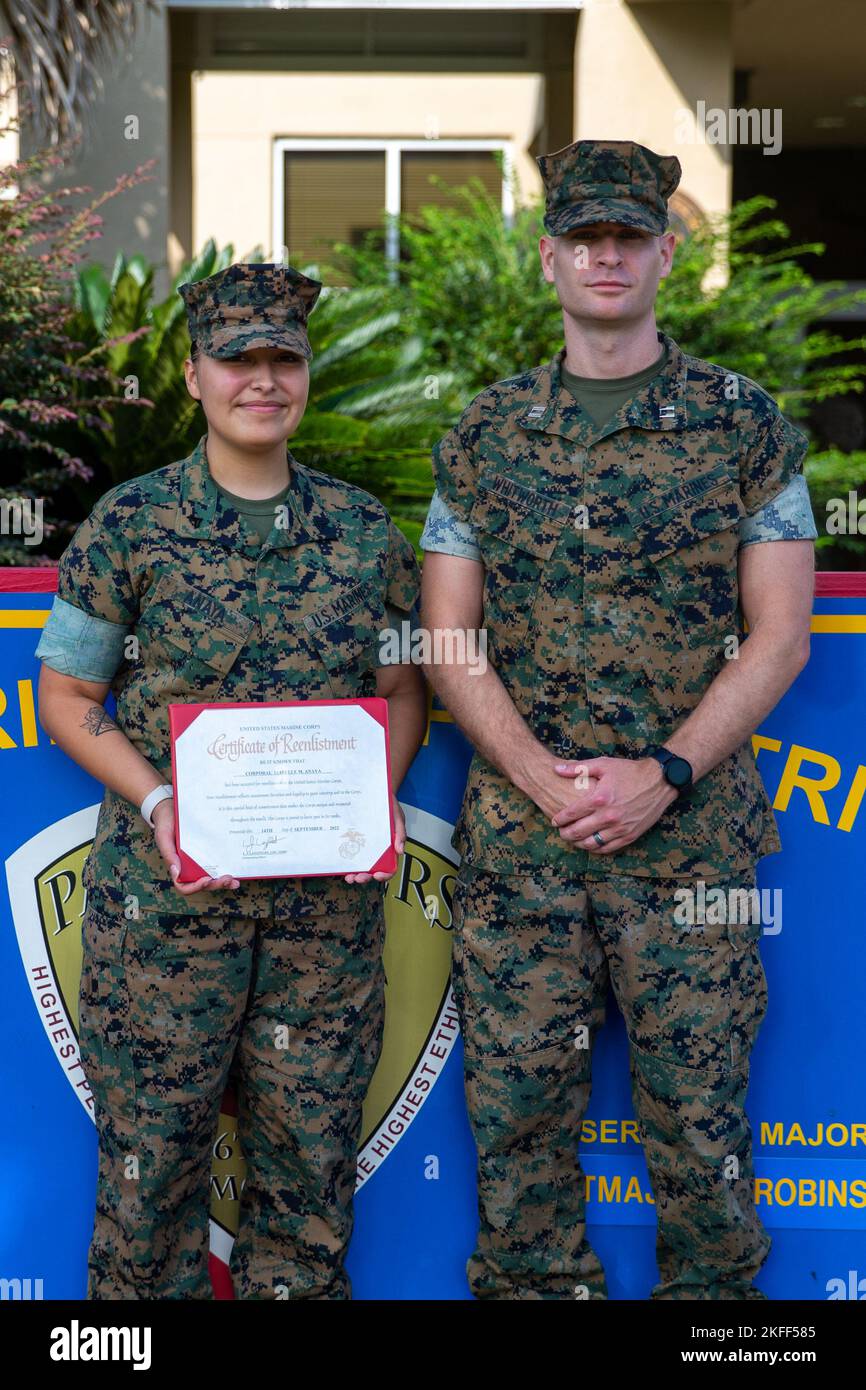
(533, 956)
(169, 1005)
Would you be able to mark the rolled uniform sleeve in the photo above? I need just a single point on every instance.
(79, 644)
(787, 518)
(95, 606)
(445, 534)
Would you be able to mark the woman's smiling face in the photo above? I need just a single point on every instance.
(254, 399)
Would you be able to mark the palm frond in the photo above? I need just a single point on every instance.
(59, 48)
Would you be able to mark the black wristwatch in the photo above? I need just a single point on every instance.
(677, 771)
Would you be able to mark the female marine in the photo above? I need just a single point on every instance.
(234, 574)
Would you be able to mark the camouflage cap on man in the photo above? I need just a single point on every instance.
(249, 306)
(607, 181)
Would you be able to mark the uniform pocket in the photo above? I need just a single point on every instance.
(748, 984)
(325, 958)
(344, 635)
(184, 982)
(688, 975)
(517, 942)
(524, 519)
(189, 640)
(103, 1012)
(518, 531)
(693, 545)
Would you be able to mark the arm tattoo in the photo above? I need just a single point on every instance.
(98, 721)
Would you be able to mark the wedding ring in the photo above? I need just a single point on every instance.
(597, 838)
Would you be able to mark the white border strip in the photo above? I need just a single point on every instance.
(220, 1242)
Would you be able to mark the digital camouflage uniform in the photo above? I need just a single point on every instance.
(177, 989)
(610, 592)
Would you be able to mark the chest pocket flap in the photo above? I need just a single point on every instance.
(685, 515)
(195, 623)
(519, 515)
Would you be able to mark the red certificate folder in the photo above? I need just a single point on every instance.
(180, 716)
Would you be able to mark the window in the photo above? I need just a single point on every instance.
(335, 195)
(337, 190)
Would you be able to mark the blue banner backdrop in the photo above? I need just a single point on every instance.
(415, 1204)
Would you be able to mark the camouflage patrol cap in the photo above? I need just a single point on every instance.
(607, 181)
(247, 306)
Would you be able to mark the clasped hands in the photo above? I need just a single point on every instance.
(616, 798)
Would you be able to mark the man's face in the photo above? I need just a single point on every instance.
(254, 400)
(607, 272)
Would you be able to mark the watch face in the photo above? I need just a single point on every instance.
(678, 772)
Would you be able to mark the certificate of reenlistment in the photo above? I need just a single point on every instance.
(282, 789)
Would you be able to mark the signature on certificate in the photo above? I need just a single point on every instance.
(255, 844)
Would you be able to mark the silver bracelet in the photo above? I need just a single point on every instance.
(153, 799)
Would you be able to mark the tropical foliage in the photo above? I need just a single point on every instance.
(94, 381)
(54, 391)
(470, 285)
